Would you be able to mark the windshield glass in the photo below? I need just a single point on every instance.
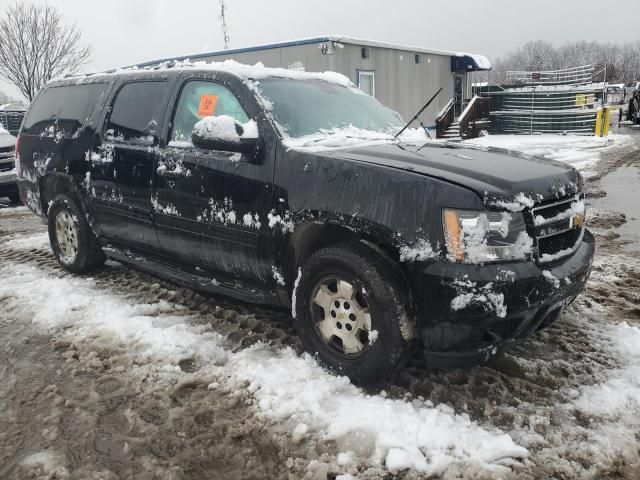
(306, 107)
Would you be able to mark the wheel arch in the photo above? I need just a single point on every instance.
(56, 183)
(310, 237)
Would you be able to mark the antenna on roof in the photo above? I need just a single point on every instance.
(225, 29)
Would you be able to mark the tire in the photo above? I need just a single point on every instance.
(377, 288)
(72, 241)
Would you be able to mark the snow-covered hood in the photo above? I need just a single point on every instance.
(502, 178)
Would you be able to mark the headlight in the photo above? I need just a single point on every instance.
(480, 237)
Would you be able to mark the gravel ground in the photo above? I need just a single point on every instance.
(82, 407)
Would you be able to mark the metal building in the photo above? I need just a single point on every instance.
(401, 77)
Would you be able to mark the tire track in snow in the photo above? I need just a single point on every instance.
(530, 394)
(286, 388)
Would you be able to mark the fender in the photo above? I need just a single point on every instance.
(54, 183)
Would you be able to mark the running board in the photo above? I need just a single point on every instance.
(199, 282)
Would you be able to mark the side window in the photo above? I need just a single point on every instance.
(200, 99)
(63, 109)
(136, 111)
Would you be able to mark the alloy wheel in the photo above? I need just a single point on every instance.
(341, 316)
(66, 236)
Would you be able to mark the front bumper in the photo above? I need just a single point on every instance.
(474, 312)
(8, 182)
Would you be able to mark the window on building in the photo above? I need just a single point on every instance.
(136, 112)
(367, 82)
(201, 99)
(418, 58)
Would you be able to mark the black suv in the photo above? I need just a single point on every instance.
(287, 188)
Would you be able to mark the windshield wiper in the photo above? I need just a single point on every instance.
(417, 116)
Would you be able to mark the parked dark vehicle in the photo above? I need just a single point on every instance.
(8, 186)
(633, 111)
(229, 179)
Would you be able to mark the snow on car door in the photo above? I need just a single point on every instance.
(211, 206)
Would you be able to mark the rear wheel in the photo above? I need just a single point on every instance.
(72, 241)
(354, 312)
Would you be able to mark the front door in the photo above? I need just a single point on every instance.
(212, 206)
(121, 180)
(458, 93)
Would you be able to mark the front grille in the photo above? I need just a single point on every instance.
(6, 159)
(555, 235)
(557, 243)
(11, 120)
(555, 209)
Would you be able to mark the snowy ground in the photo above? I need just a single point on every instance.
(120, 375)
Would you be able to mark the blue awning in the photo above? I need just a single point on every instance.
(469, 63)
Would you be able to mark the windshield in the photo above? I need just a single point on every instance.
(306, 107)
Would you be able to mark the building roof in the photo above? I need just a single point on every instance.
(473, 61)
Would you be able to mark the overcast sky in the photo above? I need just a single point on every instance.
(123, 32)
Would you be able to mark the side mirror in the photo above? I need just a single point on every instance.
(227, 134)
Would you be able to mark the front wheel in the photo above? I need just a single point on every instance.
(73, 243)
(354, 312)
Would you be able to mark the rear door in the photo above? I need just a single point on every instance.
(212, 206)
(122, 164)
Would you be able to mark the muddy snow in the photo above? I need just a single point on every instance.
(121, 375)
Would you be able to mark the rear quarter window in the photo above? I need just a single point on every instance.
(64, 110)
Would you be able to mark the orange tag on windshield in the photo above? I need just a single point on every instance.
(207, 105)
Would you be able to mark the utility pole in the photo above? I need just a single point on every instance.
(225, 29)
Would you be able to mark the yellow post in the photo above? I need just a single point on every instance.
(599, 123)
(605, 121)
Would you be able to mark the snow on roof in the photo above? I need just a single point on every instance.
(480, 60)
(241, 70)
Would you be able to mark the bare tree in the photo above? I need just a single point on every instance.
(37, 46)
(620, 63)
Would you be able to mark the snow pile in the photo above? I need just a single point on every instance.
(351, 136)
(48, 463)
(618, 399)
(579, 151)
(223, 127)
(287, 388)
(426, 438)
(153, 330)
(26, 242)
